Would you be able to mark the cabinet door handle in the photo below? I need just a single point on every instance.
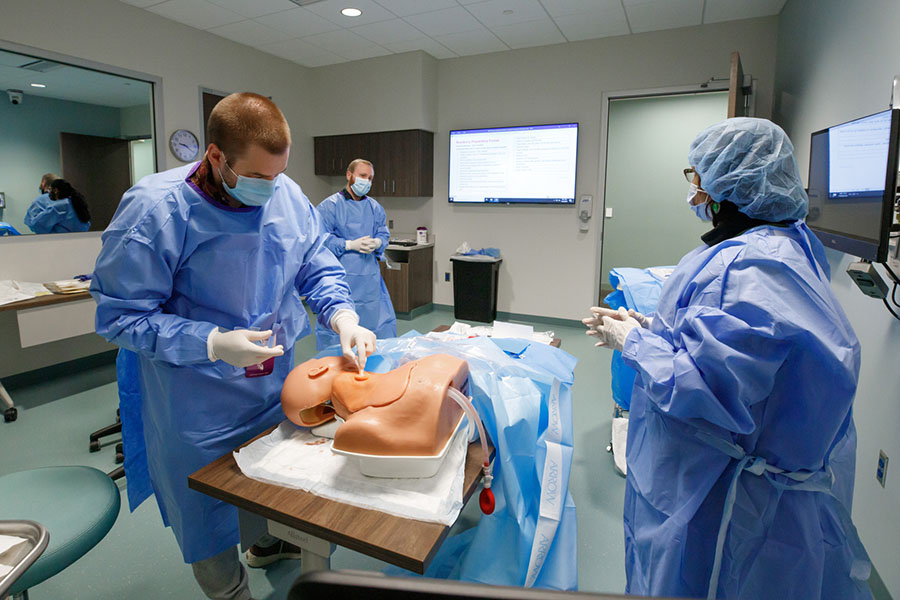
(384, 185)
(392, 186)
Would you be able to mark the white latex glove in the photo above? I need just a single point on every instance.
(238, 347)
(644, 320)
(361, 245)
(595, 321)
(371, 245)
(612, 332)
(346, 324)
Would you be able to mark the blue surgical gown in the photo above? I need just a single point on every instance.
(348, 219)
(53, 216)
(174, 265)
(749, 353)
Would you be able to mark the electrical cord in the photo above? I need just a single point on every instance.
(888, 306)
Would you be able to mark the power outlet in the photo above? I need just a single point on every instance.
(446, 276)
(881, 471)
(391, 224)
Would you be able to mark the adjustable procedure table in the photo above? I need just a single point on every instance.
(315, 523)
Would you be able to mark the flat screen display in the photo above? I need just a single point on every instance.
(852, 181)
(533, 164)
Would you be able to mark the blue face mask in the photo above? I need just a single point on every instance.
(361, 187)
(702, 209)
(251, 191)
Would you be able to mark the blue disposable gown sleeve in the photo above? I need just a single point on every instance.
(322, 279)
(381, 230)
(133, 279)
(720, 355)
(42, 216)
(333, 241)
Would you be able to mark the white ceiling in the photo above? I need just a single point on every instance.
(318, 35)
(65, 82)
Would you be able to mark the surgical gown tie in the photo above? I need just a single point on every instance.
(800, 481)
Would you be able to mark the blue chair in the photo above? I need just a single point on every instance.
(77, 505)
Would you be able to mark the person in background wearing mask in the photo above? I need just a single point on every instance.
(200, 267)
(741, 443)
(61, 211)
(358, 235)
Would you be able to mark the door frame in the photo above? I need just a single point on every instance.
(680, 90)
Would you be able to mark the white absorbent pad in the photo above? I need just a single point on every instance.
(293, 457)
(619, 443)
(7, 543)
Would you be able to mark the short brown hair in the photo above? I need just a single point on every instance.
(351, 168)
(49, 178)
(240, 120)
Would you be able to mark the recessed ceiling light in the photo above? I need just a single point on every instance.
(508, 11)
(40, 85)
(351, 12)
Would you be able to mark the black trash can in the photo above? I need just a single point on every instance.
(475, 282)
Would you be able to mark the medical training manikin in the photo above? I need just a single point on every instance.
(404, 412)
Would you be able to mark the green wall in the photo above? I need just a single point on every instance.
(29, 144)
(647, 151)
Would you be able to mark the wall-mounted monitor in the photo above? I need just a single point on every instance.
(852, 184)
(533, 164)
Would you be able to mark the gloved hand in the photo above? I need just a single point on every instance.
(361, 245)
(370, 245)
(346, 324)
(238, 348)
(644, 320)
(595, 321)
(613, 331)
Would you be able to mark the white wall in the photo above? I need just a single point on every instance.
(836, 61)
(549, 267)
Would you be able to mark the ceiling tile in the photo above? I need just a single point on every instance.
(653, 15)
(250, 33)
(255, 8)
(295, 50)
(444, 22)
(298, 22)
(732, 10)
(142, 3)
(425, 44)
(196, 13)
(491, 13)
(588, 26)
(347, 44)
(331, 10)
(472, 42)
(533, 33)
(323, 60)
(404, 8)
(385, 32)
(561, 8)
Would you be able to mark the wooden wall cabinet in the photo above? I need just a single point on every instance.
(404, 160)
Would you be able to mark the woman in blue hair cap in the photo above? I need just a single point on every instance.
(741, 443)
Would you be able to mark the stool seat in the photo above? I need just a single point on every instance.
(77, 505)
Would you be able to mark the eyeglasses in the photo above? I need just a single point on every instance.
(689, 174)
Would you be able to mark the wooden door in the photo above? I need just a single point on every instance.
(737, 93)
(98, 167)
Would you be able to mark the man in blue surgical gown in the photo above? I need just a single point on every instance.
(201, 275)
(741, 441)
(358, 236)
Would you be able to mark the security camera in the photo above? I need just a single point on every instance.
(15, 96)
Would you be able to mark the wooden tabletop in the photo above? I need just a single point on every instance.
(555, 342)
(46, 300)
(403, 542)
